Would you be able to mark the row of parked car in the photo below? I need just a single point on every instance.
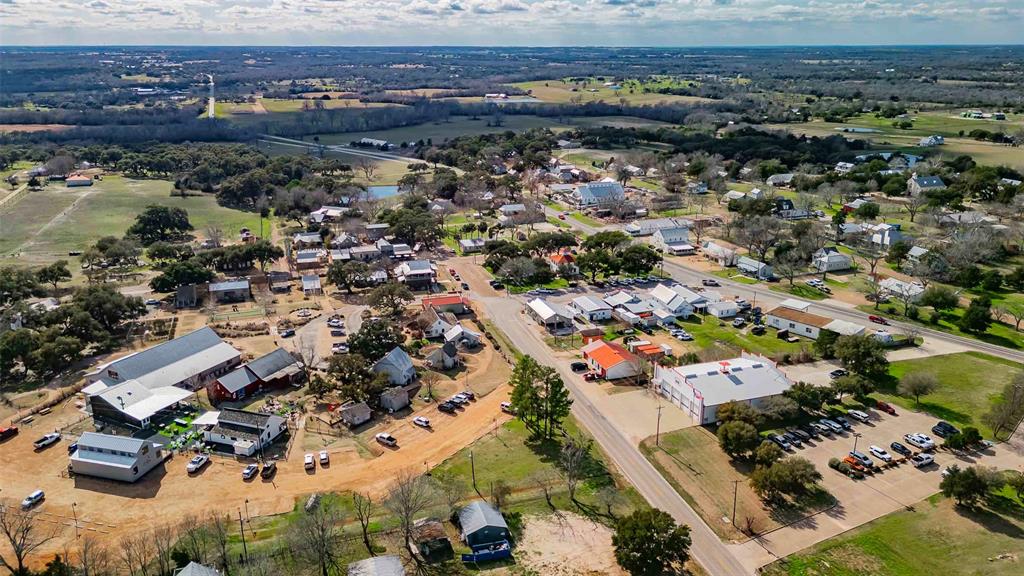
(825, 427)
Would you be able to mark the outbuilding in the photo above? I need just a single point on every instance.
(120, 458)
(481, 524)
(230, 291)
(610, 360)
(592, 309)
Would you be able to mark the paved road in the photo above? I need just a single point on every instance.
(707, 548)
(343, 148)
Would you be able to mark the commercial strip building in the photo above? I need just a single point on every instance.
(792, 315)
(699, 389)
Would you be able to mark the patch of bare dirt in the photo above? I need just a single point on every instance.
(567, 545)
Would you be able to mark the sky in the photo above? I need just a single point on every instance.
(511, 22)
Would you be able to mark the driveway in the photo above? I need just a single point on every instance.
(861, 501)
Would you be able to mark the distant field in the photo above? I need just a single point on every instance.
(49, 223)
(33, 127)
(241, 111)
(930, 123)
(560, 92)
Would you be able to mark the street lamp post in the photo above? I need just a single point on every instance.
(856, 436)
(657, 433)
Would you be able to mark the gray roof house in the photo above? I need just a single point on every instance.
(755, 268)
(272, 370)
(394, 399)
(120, 458)
(599, 194)
(353, 413)
(245, 432)
(397, 365)
(194, 569)
(443, 357)
(377, 566)
(230, 290)
(481, 524)
(919, 184)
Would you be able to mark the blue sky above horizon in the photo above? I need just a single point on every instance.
(511, 22)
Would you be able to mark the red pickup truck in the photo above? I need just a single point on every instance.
(8, 432)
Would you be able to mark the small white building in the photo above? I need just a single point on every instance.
(723, 308)
(245, 432)
(593, 309)
(755, 268)
(675, 241)
(699, 389)
(120, 458)
(551, 316)
(901, 290)
(471, 245)
(723, 255)
(678, 300)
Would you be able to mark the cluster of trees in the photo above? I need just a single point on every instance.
(527, 150)
(351, 375)
(968, 485)
(45, 343)
(539, 397)
(612, 252)
(413, 222)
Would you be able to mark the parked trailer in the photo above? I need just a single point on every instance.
(489, 553)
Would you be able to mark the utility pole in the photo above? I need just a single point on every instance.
(735, 488)
(657, 433)
(241, 528)
(472, 468)
(856, 436)
(74, 510)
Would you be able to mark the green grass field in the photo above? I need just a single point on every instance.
(935, 537)
(708, 334)
(998, 333)
(969, 383)
(560, 92)
(47, 224)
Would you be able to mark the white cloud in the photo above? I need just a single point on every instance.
(514, 22)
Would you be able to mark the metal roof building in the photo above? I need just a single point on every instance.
(121, 458)
(699, 389)
(481, 524)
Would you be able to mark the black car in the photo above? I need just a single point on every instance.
(465, 286)
(287, 333)
(799, 434)
(900, 449)
(269, 469)
(843, 422)
(578, 367)
(810, 431)
(838, 373)
(793, 439)
(757, 330)
(944, 429)
(447, 407)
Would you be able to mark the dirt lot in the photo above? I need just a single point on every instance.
(567, 545)
(112, 509)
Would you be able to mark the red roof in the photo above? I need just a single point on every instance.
(606, 354)
(446, 300)
(562, 259)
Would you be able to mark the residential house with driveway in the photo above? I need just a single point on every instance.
(433, 323)
(398, 367)
(830, 259)
(903, 291)
(754, 268)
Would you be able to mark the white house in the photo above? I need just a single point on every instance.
(610, 360)
(551, 316)
(680, 301)
(597, 194)
(121, 458)
(723, 308)
(471, 245)
(649, 226)
(699, 389)
(886, 235)
(910, 292)
(431, 323)
(754, 268)
(719, 253)
(674, 241)
(830, 259)
(245, 432)
(459, 334)
(780, 180)
(416, 274)
(592, 309)
(397, 365)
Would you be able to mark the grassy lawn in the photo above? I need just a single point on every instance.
(707, 333)
(735, 276)
(799, 290)
(109, 209)
(998, 333)
(586, 220)
(692, 462)
(556, 284)
(442, 131)
(960, 399)
(557, 223)
(560, 92)
(936, 537)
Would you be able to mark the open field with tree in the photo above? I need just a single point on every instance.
(561, 91)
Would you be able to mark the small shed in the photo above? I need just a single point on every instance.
(482, 524)
(754, 268)
(354, 413)
(311, 285)
(431, 541)
(394, 399)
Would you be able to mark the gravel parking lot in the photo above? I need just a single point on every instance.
(861, 501)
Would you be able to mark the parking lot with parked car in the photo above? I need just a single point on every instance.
(911, 473)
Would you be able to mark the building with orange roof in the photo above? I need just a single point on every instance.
(564, 261)
(453, 303)
(611, 360)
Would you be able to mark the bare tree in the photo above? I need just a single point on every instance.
(363, 507)
(315, 537)
(1016, 312)
(194, 537)
(430, 380)
(260, 565)
(367, 166)
(572, 461)
(23, 534)
(305, 349)
(135, 553)
(789, 265)
(500, 492)
(93, 557)
(760, 234)
(164, 538)
(544, 480)
(408, 497)
(914, 204)
(217, 528)
(610, 496)
(215, 234)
